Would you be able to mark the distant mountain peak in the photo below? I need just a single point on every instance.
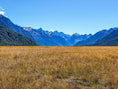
(76, 34)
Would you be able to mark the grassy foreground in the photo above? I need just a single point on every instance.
(58, 67)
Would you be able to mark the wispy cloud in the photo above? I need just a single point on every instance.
(2, 11)
(2, 8)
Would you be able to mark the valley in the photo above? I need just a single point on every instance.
(58, 44)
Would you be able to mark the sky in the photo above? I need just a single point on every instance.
(68, 16)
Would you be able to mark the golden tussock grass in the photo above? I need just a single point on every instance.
(58, 67)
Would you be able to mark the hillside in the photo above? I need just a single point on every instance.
(6, 22)
(11, 38)
(109, 40)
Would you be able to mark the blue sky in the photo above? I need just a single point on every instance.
(69, 16)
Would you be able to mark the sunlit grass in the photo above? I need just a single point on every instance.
(58, 67)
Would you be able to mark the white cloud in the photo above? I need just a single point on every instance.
(2, 12)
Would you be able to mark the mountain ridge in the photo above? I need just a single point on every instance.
(95, 37)
(11, 38)
(109, 40)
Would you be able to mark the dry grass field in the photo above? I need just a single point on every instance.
(58, 67)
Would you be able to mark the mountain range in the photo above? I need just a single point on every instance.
(41, 37)
(49, 38)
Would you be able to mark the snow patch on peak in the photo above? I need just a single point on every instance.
(27, 28)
